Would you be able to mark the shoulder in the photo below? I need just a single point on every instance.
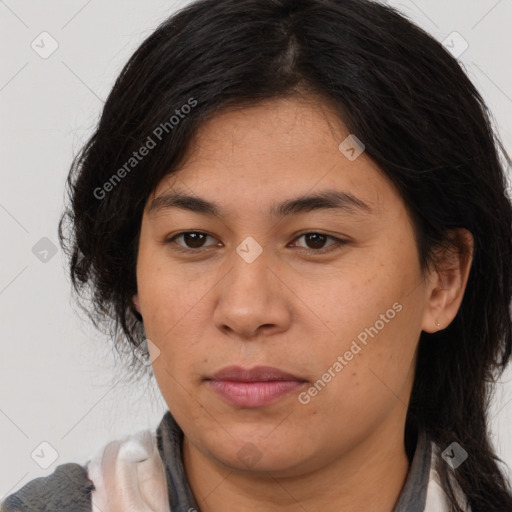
(422, 490)
(67, 488)
(437, 499)
(129, 474)
(124, 474)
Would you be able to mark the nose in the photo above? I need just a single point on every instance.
(253, 299)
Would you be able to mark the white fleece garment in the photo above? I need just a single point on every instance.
(129, 476)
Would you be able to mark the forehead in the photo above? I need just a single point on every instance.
(274, 150)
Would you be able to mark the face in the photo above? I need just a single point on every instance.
(327, 289)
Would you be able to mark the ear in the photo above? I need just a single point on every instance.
(448, 281)
(136, 302)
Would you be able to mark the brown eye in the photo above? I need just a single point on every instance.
(193, 240)
(315, 242)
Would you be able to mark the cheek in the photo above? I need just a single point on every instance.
(167, 291)
(375, 314)
(360, 378)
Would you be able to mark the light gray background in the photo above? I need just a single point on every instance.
(57, 372)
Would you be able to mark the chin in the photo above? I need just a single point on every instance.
(260, 454)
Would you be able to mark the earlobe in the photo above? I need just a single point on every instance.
(449, 280)
(136, 303)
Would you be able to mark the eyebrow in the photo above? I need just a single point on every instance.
(344, 202)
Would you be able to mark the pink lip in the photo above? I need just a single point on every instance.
(256, 387)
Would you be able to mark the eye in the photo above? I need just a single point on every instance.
(317, 240)
(194, 240)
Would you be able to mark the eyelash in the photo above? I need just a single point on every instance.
(337, 245)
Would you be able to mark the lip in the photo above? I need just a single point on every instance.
(256, 374)
(255, 387)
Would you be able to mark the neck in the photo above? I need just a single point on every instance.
(370, 476)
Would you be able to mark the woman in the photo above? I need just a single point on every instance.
(295, 212)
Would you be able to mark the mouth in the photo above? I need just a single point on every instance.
(256, 387)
